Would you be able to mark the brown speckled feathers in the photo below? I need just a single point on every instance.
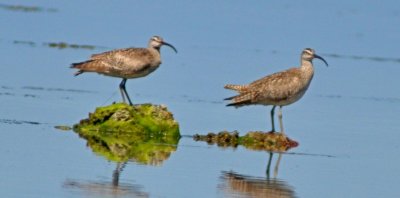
(270, 89)
(120, 62)
(278, 89)
(125, 63)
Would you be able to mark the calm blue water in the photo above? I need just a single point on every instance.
(346, 124)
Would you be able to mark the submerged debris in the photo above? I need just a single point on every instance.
(63, 45)
(144, 133)
(63, 127)
(255, 140)
(57, 45)
(30, 43)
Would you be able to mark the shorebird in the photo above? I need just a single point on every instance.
(125, 63)
(278, 89)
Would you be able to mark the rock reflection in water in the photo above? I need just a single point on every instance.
(140, 149)
(253, 140)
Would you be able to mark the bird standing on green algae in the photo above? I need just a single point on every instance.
(278, 89)
(125, 63)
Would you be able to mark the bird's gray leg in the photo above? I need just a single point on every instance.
(277, 165)
(280, 119)
(272, 118)
(120, 167)
(269, 164)
(127, 96)
(123, 91)
(121, 88)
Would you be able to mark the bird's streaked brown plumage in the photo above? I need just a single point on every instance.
(278, 89)
(281, 88)
(125, 63)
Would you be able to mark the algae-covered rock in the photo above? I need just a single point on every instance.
(255, 140)
(270, 141)
(222, 139)
(145, 133)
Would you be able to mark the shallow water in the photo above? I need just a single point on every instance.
(346, 124)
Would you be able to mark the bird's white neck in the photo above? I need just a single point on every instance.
(307, 68)
(155, 50)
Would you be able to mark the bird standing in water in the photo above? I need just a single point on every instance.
(125, 63)
(278, 89)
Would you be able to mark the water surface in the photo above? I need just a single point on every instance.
(346, 124)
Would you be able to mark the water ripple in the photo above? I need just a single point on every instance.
(58, 45)
(25, 8)
(18, 122)
(56, 89)
(370, 98)
(370, 58)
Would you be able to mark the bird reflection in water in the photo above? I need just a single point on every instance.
(104, 188)
(238, 185)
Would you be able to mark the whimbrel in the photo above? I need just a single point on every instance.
(278, 89)
(125, 63)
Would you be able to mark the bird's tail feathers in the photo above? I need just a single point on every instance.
(239, 88)
(78, 72)
(230, 98)
(80, 65)
(240, 100)
(86, 66)
(239, 104)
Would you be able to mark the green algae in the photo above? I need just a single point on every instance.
(144, 133)
(254, 140)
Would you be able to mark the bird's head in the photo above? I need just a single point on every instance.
(156, 42)
(309, 54)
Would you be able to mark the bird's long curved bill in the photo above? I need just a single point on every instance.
(171, 46)
(320, 58)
